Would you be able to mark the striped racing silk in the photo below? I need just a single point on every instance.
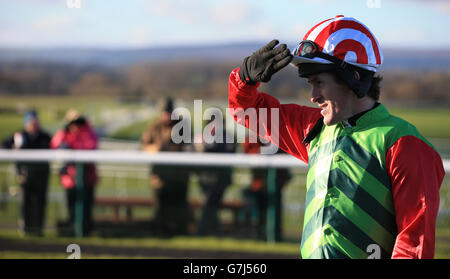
(349, 202)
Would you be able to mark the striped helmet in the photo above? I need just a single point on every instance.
(344, 38)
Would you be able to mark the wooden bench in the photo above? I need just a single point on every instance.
(120, 202)
(129, 203)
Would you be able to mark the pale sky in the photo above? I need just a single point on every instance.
(140, 23)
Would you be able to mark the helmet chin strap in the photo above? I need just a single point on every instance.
(358, 80)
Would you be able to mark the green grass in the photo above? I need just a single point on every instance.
(442, 242)
(9, 123)
(44, 255)
(433, 123)
(132, 131)
(175, 243)
(52, 110)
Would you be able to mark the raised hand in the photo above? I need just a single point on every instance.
(265, 62)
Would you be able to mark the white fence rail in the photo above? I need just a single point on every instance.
(165, 158)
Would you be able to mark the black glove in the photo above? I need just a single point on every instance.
(265, 62)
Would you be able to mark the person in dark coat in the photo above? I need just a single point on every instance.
(169, 182)
(257, 195)
(32, 176)
(214, 181)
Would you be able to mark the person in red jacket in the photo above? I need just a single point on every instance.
(339, 57)
(78, 135)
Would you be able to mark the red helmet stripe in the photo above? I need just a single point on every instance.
(341, 24)
(344, 46)
(312, 29)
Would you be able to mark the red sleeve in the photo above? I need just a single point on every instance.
(58, 139)
(416, 173)
(294, 121)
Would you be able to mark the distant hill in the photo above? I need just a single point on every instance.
(393, 58)
(125, 57)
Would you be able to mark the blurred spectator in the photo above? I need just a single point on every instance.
(213, 181)
(256, 194)
(32, 176)
(169, 182)
(77, 134)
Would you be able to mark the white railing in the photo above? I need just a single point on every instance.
(164, 158)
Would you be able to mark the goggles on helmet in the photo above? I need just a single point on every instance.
(309, 49)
